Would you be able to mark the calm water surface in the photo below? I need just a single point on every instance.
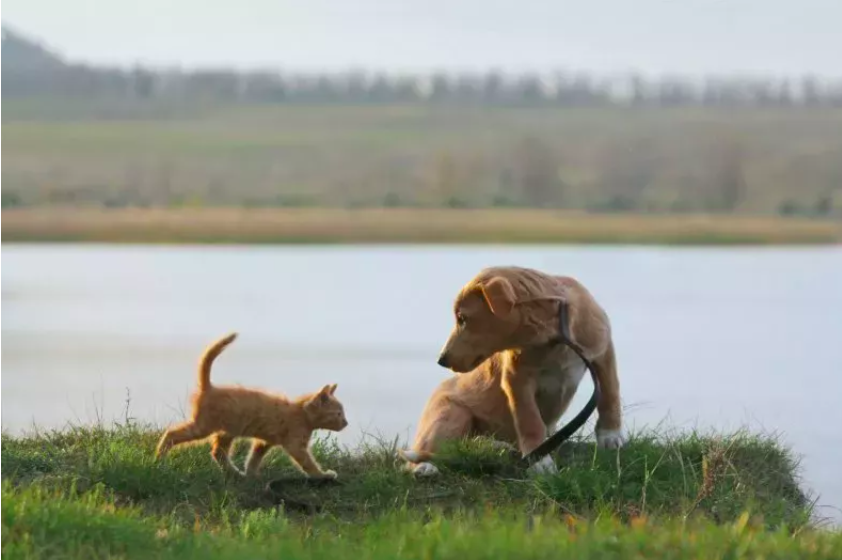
(706, 338)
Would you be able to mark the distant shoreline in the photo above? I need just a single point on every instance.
(400, 225)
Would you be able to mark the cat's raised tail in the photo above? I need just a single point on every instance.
(209, 356)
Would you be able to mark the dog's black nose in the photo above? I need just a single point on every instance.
(443, 360)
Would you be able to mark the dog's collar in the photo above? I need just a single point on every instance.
(563, 337)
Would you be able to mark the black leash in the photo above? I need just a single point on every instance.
(551, 443)
(278, 486)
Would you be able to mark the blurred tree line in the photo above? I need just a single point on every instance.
(30, 70)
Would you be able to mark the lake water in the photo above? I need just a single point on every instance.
(714, 339)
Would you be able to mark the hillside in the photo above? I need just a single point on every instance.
(97, 493)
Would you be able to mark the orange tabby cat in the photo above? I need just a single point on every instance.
(225, 413)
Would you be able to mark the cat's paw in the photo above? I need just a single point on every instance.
(330, 475)
(230, 471)
(162, 450)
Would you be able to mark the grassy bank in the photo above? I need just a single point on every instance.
(233, 225)
(95, 493)
(785, 160)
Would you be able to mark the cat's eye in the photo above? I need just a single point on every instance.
(460, 319)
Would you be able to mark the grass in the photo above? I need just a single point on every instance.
(97, 493)
(236, 225)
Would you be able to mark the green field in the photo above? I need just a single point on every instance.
(782, 161)
(98, 493)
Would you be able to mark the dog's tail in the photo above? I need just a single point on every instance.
(415, 456)
(208, 357)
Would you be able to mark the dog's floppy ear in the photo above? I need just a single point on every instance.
(500, 295)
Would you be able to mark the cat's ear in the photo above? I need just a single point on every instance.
(333, 388)
(324, 393)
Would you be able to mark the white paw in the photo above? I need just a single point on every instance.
(545, 466)
(425, 469)
(330, 475)
(610, 439)
(409, 455)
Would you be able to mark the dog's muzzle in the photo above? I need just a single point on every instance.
(443, 360)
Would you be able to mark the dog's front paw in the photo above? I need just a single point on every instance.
(424, 470)
(409, 455)
(545, 466)
(610, 439)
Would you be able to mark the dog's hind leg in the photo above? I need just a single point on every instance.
(609, 429)
(442, 420)
(592, 332)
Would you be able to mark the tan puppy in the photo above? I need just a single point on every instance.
(515, 382)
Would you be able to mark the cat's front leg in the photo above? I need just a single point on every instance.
(302, 457)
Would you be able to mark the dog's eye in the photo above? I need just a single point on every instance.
(460, 319)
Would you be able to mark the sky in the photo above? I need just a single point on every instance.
(688, 37)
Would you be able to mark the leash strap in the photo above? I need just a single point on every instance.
(551, 443)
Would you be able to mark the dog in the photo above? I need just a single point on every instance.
(513, 383)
